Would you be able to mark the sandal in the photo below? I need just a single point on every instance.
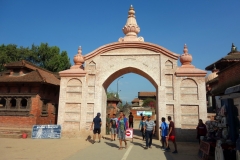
(120, 148)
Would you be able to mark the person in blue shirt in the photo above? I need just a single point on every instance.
(141, 126)
(97, 122)
(164, 132)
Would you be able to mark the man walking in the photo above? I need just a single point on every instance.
(130, 119)
(164, 132)
(97, 122)
(122, 126)
(171, 135)
(149, 131)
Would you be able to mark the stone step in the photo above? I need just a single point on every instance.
(14, 132)
(15, 136)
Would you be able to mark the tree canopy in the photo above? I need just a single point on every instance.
(149, 102)
(45, 56)
(111, 94)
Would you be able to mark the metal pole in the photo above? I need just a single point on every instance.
(117, 85)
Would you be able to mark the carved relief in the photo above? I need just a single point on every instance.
(170, 111)
(91, 86)
(189, 90)
(73, 107)
(90, 115)
(169, 86)
(71, 126)
(189, 116)
(74, 89)
(169, 64)
(92, 66)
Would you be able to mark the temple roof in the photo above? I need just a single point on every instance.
(114, 99)
(135, 100)
(232, 57)
(34, 74)
(147, 94)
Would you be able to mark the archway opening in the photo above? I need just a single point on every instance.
(130, 90)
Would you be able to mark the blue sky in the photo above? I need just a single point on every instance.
(207, 27)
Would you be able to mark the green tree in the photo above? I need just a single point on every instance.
(112, 94)
(149, 102)
(126, 108)
(45, 56)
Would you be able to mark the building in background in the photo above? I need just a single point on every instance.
(137, 104)
(145, 95)
(28, 95)
(112, 103)
(225, 74)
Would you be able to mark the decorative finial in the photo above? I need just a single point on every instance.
(214, 68)
(78, 59)
(79, 50)
(131, 29)
(185, 50)
(233, 49)
(186, 58)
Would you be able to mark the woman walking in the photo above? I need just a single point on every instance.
(141, 126)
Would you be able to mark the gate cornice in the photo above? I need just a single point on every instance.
(141, 45)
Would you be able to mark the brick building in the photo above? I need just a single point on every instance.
(28, 95)
(137, 103)
(225, 74)
(144, 95)
(112, 103)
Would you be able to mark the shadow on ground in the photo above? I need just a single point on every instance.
(112, 145)
(89, 139)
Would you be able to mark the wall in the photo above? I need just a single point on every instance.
(229, 76)
(36, 93)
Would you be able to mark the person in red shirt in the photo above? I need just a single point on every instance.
(171, 135)
(201, 130)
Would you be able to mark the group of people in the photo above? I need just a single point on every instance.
(147, 127)
(114, 125)
(118, 126)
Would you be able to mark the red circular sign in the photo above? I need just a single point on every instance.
(128, 133)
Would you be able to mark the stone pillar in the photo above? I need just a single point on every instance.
(18, 103)
(192, 97)
(72, 99)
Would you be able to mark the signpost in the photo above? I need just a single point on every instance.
(144, 113)
(46, 132)
(203, 151)
(129, 133)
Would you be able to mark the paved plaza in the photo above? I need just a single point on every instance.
(77, 149)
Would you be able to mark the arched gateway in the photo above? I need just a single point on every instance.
(180, 90)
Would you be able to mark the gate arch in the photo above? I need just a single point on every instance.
(99, 68)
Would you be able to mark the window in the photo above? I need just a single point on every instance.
(44, 109)
(16, 72)
(2, 103)
(23, 104)
(13, 103)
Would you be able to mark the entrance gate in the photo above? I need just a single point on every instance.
(180, 90)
